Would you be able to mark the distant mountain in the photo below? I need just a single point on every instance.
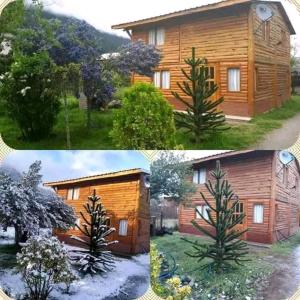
(107, 41)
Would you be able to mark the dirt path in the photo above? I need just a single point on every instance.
(286, 280)
(281, 138)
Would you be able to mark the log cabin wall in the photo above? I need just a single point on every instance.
(220, 36)
(231, 37)
(287, 200)
(124, 199)
(272, 70)
(250, 176)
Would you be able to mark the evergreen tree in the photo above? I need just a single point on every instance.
(95, 257)
(202, 114)
(226, 247)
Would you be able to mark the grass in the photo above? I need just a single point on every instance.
(239, 136)
(242, 136)
(81, 137)
(239, 283)
(8, 256)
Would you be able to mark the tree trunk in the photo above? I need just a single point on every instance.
(18, 234)
(67, 123)
(88, 111)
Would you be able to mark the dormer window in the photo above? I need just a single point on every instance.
(73, 193)
(199, 176)
(157, 36)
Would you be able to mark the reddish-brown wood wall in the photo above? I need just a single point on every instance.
(124, 198)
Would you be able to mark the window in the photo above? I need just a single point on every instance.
(161, 79)
(73, 194)
(286, 175)
(199, 176)
(266, 28)
(77, 222)
(234, 80)
(239, 209)
(123, 225)
(258, 214)
(203, 210)
(157, 37)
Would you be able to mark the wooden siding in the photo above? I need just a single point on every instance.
(250, 176)
(123, 200)
(287, 200)
(231, 37)
(272, 62)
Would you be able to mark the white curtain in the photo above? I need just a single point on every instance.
(123, 227)
(202, 176)
(156, 79)
(160, 37)
(203, 210)
(70, 194)
(258, 214)
(165, 79)
(77, 223)
(196, 177)
(152, 35)
(234, 80)
(76, 194)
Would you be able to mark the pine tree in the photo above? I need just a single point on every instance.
(202, 114)
(227, 247)
(95, 257)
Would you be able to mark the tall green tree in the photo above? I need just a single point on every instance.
(169, 177)
(226, 247)
(202, 114)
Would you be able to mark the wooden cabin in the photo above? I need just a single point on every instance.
(126, 199)
(248, 59)
(269, 194)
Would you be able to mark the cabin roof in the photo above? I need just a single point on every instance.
(219, 156)
(201, 9)
(96, 177)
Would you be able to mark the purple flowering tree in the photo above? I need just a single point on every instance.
(137, 57)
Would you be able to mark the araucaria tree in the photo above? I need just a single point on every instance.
(226, 247)
(202, 115)
(96, 257)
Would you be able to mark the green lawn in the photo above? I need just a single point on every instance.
(239, 136)
(81, 138)
(242, 282)
(243, 136)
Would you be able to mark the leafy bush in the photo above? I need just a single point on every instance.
(43, 262)
(31, 95)
(177, 290)
(145, 120)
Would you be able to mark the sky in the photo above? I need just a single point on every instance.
(59, 165)
(104, 14)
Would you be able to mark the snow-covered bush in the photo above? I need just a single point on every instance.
(43, 262)
(27, 207)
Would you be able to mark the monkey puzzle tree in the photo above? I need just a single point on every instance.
(202, 114)
(95, 257)
(226, 246)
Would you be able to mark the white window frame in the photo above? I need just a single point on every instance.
(157, 37)
(258, 209)
(78, 223)
(73, 193)
(123, 227)
(162, 79)
(234, 79)
(203, 210)
(199, 176)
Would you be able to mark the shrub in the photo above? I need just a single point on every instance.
(145, 120)
(31, 95)
(177, 290)
(43, 262)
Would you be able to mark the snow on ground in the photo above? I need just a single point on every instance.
(112, 284)
(7, 237)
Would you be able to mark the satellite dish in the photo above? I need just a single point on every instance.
(147, 181)
(286, 157)
(264, 12)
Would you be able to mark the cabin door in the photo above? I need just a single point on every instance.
(240, 209)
